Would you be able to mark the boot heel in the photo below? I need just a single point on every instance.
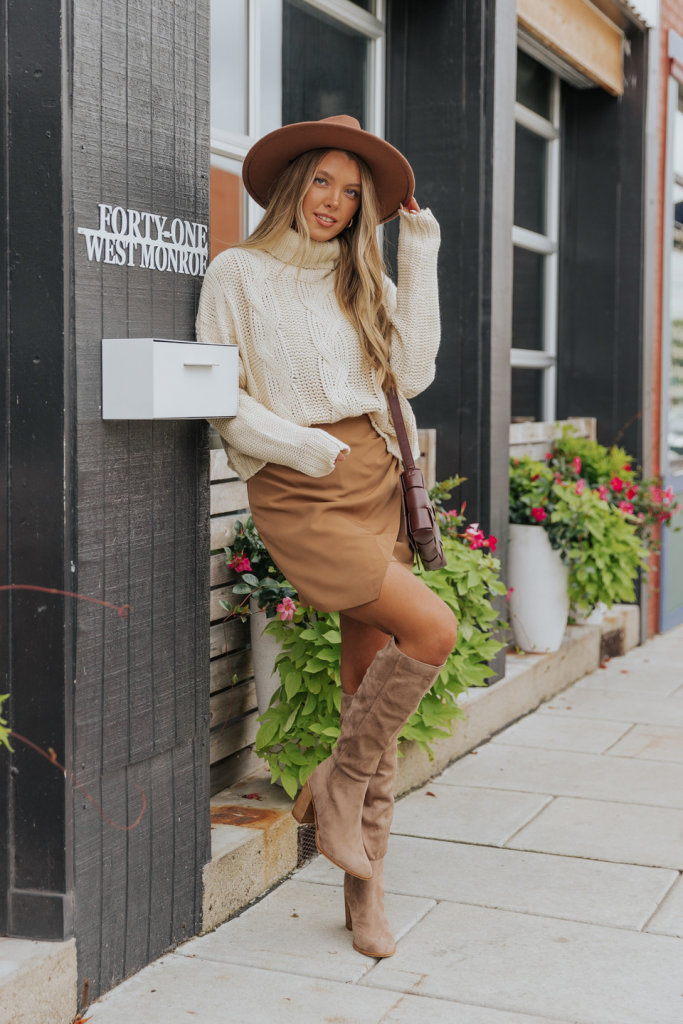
(303, 808)
(347, 908)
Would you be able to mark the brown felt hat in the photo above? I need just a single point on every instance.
(271, 155)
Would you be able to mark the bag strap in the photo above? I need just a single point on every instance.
(401, 432)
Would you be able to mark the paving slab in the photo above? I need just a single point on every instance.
(558, 732)
(559, 773)
(642, 679)
(651, 742)
(177, 988)
(618, 707)
(669, 918)
(618, 832)
(571, 888)
(466, 815)
(300, 929)
(560, 969)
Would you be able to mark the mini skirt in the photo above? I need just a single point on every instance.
(333, 536)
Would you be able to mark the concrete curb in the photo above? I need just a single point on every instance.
(37, 981)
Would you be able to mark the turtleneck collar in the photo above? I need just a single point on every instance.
(319, 256)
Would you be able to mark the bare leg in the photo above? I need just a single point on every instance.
(360, 644)
(423, 625)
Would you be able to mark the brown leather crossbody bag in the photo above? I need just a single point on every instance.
(419, 520)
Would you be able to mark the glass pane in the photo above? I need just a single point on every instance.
(527, 299)
(227, 204)
(675, 397)
(534, 84)
(527, 392)
(530, 171)
(229, 65)
(367, 5)
(324, 67)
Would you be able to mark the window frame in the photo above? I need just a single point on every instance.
(547, 244)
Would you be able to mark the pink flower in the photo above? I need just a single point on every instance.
(580, 485)
(539, 514)
(452, 512)
(511, 590)
(603, 492)
(475, 536)
(656, 495)
(535, 477)
(663, 517)
(548, 455)
(240, 563)
(492, 543)
(641, 516)
(286, 609)
(576, 463)
(558, 478)
(626, 467)
(617, 484)
(668, 495)
(631, 491)
(626, 506)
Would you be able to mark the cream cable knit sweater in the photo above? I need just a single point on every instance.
(301, 360)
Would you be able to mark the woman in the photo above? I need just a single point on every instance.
(323, 335)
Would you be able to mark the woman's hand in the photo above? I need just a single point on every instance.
(411, 206)
(340, 457)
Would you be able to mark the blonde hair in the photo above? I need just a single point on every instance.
(359, 274)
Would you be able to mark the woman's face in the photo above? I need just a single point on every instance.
(334, 196)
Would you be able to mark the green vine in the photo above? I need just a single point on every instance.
(301, 726)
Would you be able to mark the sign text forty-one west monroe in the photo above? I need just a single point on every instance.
(136, 239)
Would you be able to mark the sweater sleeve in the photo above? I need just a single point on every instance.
(413, 305)
(255, 431)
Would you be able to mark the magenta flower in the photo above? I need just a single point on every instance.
(626, 506)
(580, 486)
(631, 491)
(576, 463)
(240, 563)
(603, 492)
(617, 484)
(656, 495)
(539, 514)
(286, 609)
(668, 495)
(492, 543)
(475, 536)
(626, 467)
(548, 455)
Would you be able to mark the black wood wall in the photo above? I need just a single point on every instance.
(141, 691)
(601, 255)
(102, 101)
(451, 70)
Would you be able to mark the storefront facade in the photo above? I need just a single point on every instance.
(123, 122)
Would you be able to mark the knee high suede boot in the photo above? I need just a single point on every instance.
(334, 794)
(364, 900)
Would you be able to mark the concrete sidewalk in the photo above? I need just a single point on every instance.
(537, 880)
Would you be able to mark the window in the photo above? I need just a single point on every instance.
(535, 240)
(333, 61)
(673, 382)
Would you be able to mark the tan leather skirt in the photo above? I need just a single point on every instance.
(333, 536)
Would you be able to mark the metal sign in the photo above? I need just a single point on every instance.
(133, 238)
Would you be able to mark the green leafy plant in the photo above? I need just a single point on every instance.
(249, 556)
(301, 726)
(4, 728)
(610, 473)
(596, 539)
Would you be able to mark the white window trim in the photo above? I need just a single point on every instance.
(547, 244)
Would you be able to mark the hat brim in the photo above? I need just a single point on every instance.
(271, 155)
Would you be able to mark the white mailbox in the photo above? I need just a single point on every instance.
(158, 379)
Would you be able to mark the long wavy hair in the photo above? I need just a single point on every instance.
(359, 274)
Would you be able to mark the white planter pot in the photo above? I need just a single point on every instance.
(265, 649)
(539, 604)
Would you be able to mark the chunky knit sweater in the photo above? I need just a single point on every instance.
(301, 360)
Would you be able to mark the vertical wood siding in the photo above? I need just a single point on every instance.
(141, 686)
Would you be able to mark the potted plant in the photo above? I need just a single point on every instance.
(264, 594)
(568, 546)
